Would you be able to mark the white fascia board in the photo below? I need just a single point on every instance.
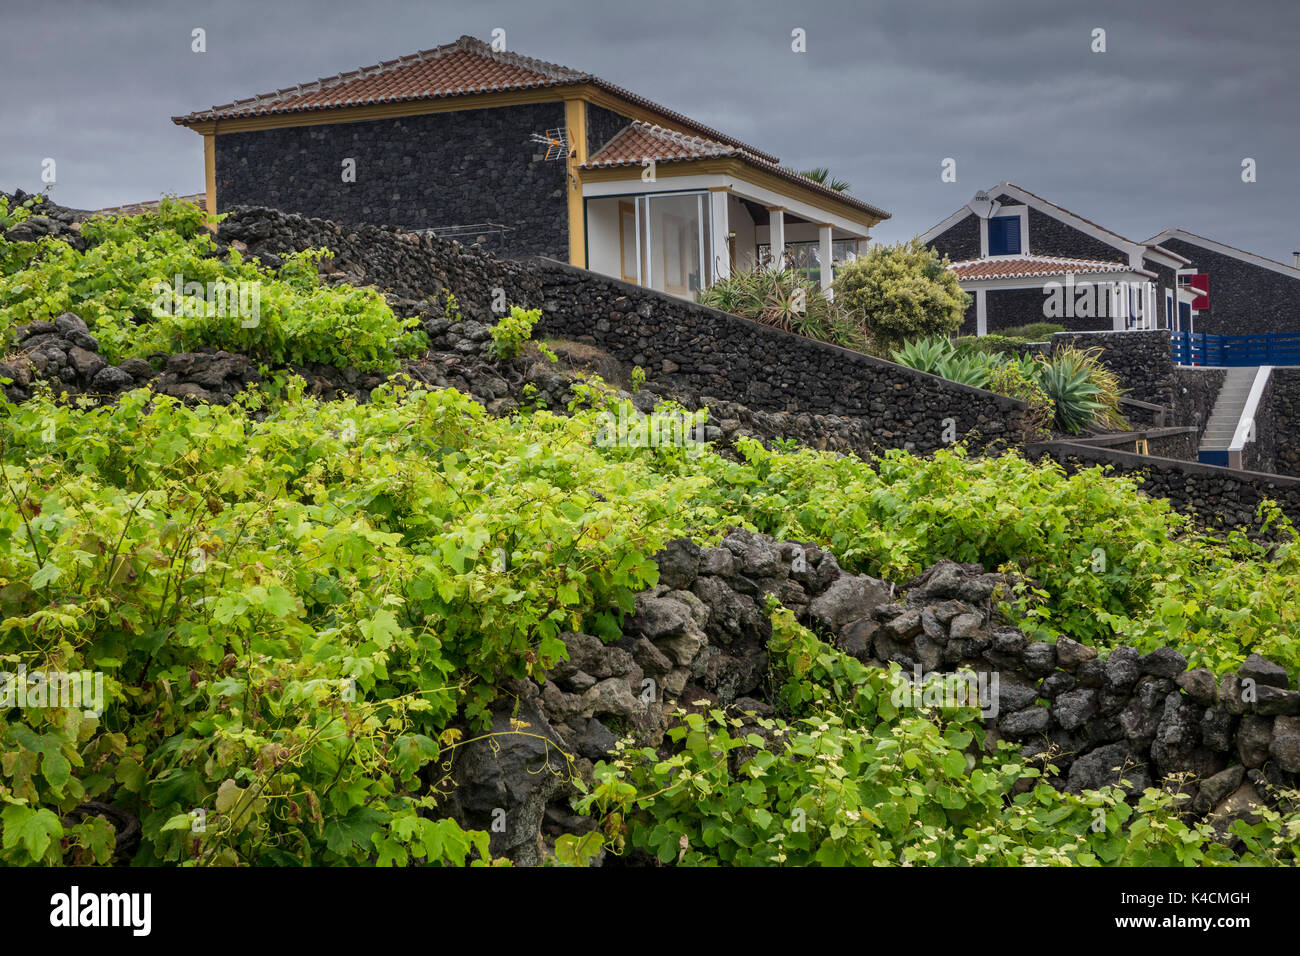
(804, 210)
(1167, 258)
(738, 187)
(638, 187)
(1238, 254)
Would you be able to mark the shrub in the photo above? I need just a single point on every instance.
(991, 344)
(925, 354)
(900, 292)
(513, 331)
(1033, 332)
(1017, 381)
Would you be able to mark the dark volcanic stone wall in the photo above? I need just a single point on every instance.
(1195, 392)
(1174, 443)
(1282, 409)
(696, 351)
(1087, 719)
(1051, 237)
(1217, 497)
(1141, 360)
(1008, 308)
(1261, 453)
(1244, 298)
(602, 125)
(705, 352)
(439, 169)
(961, 241)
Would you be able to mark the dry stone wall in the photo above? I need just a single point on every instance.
(1230, 742)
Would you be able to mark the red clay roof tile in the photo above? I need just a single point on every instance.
(1021, 267)
(464, 68)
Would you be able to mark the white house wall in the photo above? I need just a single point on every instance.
(602, 237)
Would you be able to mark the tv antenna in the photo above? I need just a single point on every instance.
(556, 142)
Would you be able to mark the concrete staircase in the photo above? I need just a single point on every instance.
(1222, 425)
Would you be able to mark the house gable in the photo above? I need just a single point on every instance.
(1248, 294)
(1046, 230)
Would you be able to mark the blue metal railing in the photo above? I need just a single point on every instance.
(1267, 348)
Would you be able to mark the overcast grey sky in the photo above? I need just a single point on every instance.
(1148, 135)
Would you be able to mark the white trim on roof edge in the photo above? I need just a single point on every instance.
(739, 187)
(1238, 254)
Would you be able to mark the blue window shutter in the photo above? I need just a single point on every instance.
(997, 237)
(1004, 236)
(1013, 235)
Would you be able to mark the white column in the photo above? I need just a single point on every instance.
(776, 236)
(719, 229)
(824, 253)
(981, 313)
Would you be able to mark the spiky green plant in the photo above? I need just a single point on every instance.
(822, 175)
(925, 354)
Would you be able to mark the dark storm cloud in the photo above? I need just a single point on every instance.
(1148, 135)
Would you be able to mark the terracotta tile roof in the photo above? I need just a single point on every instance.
(136, 209)
(1023, 267)
(638, 142)
(464, 68)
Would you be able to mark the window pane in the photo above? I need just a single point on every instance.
(675, 244)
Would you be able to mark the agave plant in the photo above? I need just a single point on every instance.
(785, 299)
(972, 369)
(1086, 393)
(925, 355)
(1068, 382)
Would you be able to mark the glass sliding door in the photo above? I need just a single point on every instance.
(676, 237)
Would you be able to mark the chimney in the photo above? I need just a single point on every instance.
(1295, 257)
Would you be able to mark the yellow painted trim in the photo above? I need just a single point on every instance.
(210, 172)
(734, 167)
(575, 119)
(719, 189)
